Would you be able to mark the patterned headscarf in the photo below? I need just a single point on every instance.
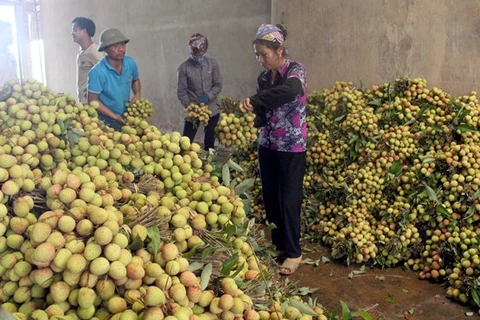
(198, 44)
(271, 33)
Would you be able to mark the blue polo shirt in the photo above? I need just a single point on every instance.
(113, 89)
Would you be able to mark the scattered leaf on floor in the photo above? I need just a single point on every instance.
(405, 290)
(381, 278)
(408, 316)
(391, 299)
(325, 260)
(311, 261)
(356, 272)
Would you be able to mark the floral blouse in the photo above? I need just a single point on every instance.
(283, 103)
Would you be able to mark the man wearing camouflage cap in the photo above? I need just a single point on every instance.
(112, 78)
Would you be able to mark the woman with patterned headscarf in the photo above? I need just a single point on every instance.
(279, 105)
(200, 81)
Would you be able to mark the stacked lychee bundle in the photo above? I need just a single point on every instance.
(140, 109)
(198, 113)
(235, 129)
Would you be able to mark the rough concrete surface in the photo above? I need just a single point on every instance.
(368, 42)
(386, 294)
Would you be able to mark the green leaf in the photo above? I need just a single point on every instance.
(205, 276)
(466, 128)
(346, 314)
(396, 167)
(304, 291)
(470, 212)
(250, 225)
(229, 230)
(428, 159)
(391, 299)
(476, 296)
(476, 195)
(154, 235)
(229, 264)
(239, 269)
(61, 124)
(340, 118)
(311, 261)
(303, 308)
(442, 210)
(375, 102)
(232, 164)
(206, 252)
(73, 136)
(194, 266)
(431, 194)
(244, 186)
(226, 175)
(136, 244)
(190, 253)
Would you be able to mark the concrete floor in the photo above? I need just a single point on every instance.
(386, 294)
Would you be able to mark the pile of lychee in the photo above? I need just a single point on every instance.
(98, 224)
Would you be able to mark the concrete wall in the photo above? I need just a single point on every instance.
(377, 41)
(373, 41)
(159, 31)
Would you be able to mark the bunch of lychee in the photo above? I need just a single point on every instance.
(198, 113)
(141, 109)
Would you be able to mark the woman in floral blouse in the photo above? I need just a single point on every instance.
(279, 105)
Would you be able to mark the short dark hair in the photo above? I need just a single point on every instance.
(85, 23)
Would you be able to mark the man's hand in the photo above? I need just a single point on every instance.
(119, 119)
(135, 98)
(245, 105)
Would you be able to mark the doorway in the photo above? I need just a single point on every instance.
(27, 44)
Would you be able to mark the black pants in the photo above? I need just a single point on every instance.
(282, 186)
(190, 130)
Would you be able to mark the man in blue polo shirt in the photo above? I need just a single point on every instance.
(112, 78)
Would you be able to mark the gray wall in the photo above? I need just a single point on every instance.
(374, 41)
(159, 31)
(377, 41)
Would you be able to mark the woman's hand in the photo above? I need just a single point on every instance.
(245, 105)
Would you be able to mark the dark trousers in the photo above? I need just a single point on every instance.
(282, 186)
(190, 130)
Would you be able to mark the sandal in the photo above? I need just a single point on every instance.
(290, 265)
